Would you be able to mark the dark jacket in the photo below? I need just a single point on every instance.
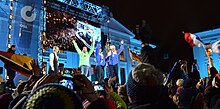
(161, 102)
(213, 97)
(5, 100)
(186, 97)
(98, 104)
(217, 104)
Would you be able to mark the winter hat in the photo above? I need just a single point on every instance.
(144, 83)
(53, 96)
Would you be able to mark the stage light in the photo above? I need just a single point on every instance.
(10, 26)
(9, 36)
(7, 77)
(10, 23)
(11, 16)
(108, 21)
(11, 8)
(45, 2)
(9, 45)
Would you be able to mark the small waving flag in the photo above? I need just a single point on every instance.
(193, 39)
(134, 56)
(216, 47)
(18, 63)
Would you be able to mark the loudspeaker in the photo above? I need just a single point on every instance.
(103, 39)
(1, 70)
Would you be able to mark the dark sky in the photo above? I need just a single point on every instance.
(167, 18)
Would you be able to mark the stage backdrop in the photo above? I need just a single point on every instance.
(27, 24)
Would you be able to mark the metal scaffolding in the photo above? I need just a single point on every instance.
(87, 11)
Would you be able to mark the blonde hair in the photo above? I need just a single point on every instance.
(55, 47)
(179, 82)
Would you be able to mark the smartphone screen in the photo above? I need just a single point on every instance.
(67, 83)
(98, 88)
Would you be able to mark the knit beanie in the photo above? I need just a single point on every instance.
(144, 83)
(53, 96)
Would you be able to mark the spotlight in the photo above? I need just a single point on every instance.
(9, 36)
(9, 45)
(11, 16)
(45, 2)
(10, 26)
(11, 8)
(108, 21)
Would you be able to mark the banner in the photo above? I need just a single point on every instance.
(87, 33)
(26, 26)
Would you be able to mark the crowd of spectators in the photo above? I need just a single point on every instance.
(144, 89)
(61, 38)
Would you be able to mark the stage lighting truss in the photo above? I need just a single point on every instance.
(87, 11)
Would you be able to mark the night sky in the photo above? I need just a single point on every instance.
(167, 18)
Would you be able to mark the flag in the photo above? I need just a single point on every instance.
(134, 56)
(18, 63)
(193, 39)
(216, 47)
(170, 75)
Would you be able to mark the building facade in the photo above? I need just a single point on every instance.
(208, 37)
(26, 35)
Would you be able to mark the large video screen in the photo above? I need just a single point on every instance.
(62, 28)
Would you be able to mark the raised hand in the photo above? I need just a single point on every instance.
(48, 78)
(110, 80)
(108, 90)
(36, 70)
(86, 87)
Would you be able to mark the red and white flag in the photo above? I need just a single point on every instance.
(216, 47)
(193, 39)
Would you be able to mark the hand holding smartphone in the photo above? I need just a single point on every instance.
(98, 87)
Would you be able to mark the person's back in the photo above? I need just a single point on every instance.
(186, 97)
(10, 73)
(212, 93)
(161, 102)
